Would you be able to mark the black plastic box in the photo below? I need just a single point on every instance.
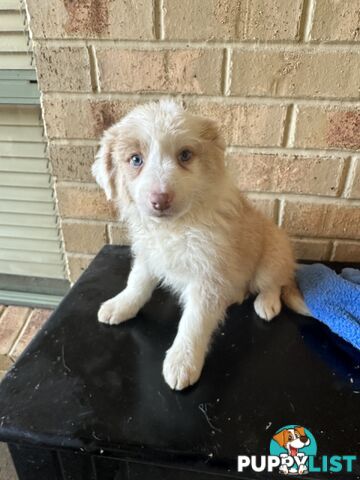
(87, 401)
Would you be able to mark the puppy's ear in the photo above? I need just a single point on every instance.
(103, 169)
(281, 438)
(209, 130)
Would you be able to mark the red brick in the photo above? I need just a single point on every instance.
(84, 118)
(167, 70)
(266, 205)
(77, 264)
(36, 320)
(322, 219)
(72, 162)
(245, 124)
(11, 322)
(310, 249)
(328, 127)
(287, 173)
(346, 251)
(63, 69)
(79, 201)
(290, 73)
(117, 19)
(336, 20)
(233, 20)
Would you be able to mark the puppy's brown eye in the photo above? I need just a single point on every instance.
(136, 160)
(185, 155)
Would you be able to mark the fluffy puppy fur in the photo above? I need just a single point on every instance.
(191, 230)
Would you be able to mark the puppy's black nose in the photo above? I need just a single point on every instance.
(304, 439)
(161, 201)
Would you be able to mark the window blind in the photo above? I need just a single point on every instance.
(30, 243)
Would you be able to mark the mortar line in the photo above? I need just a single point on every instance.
(108, 234)
(349, 177)
(81, 255)
(306, 21)
(93, 185)
(305, 198)
(157, 20)
(74, 142)
(305, 238)
(280, 218)
(276, 211)
(60, 231)
(53, 182)
(84, 221)
(226, 71)
(334, 239)
(281, 46)
(161, 19)
(229, 100)
(264, 150)
(94, 69)
(261, 150)
(290, 126)
(343, 177)
(330, 250)
(348, 240)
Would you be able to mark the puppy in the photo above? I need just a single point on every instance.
(190, 229)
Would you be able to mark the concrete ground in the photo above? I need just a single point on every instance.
(18, 325)
(7, 470)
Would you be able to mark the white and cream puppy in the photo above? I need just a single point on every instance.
(190, 229)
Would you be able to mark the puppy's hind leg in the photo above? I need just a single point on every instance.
(276, 268)
(268, 304)
(127, 303)
(293, 299)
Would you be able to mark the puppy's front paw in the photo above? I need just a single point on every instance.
(115, 311)
(267, 305)
(182, 367)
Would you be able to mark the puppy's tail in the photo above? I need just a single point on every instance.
(293, 299)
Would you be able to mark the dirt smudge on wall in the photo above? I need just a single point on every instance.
(344, 130)
(87, 17)
(104, 115)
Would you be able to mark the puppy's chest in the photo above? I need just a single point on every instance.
(175, 257)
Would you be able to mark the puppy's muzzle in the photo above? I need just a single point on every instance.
(161, 201)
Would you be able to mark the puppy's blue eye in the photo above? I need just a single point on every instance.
(136, 160)
(185, 155)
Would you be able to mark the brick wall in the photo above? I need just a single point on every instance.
(281, 77)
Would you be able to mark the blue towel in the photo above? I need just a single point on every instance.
(351, 274)
(333, 299)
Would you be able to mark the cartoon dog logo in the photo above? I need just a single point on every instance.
(292, 440)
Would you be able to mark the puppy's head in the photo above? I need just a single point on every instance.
(295, 437)
(161, 159)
